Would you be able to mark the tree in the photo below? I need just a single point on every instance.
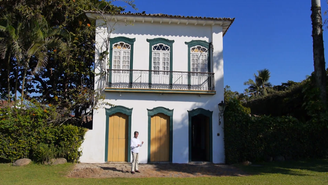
(61, 75)
(36, 46)
(229, 95)
(10, 46)
(259, 87)
(318, 50)
(284, 86)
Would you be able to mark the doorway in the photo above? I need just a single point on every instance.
(159, 138)
(200, 138)
(117, 138)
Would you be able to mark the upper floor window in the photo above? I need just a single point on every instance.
(199, 59)
(160, 61)
(121, 55)
(121, 59)
(161, 57)
(198, 56)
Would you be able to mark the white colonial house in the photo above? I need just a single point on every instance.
(161, 75)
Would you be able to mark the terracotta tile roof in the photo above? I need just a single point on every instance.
(168, 16)
(224, 22)
(177, 16)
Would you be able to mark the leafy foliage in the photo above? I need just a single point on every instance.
(300, 100)
(258, 138)
(30, 131)
(280, 103)
(261, 83)
(47, 52)
(47, 57)
(228, 95)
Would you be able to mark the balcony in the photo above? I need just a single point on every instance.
(160, 81)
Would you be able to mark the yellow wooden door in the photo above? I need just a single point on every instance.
(118, 138)
(160, 140)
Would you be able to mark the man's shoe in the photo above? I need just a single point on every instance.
(132, 172)
(138, 171)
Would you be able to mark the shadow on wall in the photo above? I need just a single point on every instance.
(101, 59)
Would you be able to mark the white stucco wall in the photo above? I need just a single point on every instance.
(94, 145)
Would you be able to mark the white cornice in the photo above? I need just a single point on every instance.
(158, 19)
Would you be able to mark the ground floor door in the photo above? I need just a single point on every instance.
(200, 138)
(118, 138)
(160, 138)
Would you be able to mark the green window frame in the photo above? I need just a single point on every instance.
(153, 42)
(127, 40)
(203, 44)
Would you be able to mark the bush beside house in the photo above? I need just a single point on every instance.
(264, 137)
(32, 132)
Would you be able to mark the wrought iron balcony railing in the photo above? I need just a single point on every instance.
(145, 79)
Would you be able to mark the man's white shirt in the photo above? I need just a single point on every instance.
(134, 145)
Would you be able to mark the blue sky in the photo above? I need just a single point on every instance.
(275, 35)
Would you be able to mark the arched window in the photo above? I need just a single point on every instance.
(199, 59)
(161, 57)
(160, 62)
(121, 61)
(121, 55)
(199, 65)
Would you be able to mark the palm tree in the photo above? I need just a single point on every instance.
(259, 87)
(23, 41)
(36, 45)
(318, 50)
(10, 45)
(4, 46)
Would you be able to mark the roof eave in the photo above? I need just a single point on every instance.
(224, 22)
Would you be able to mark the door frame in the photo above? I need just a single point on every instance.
(111, 111)
(207, 113)
(167, 112)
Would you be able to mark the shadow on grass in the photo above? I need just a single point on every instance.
(111, 169)
(297, 168)
(199, 169)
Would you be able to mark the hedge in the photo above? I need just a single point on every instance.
(259, 138)
(30, 131)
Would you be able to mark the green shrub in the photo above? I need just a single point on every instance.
(43, 153)
(280, 103)
(236, 121)
(70, 139)
(30, 131)
(293, 124)
(257, 138)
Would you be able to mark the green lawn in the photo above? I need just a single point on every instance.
(300, 172)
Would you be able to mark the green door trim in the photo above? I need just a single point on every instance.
(208, 114)
(167, 112)
(111, 111)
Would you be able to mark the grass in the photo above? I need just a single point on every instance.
(292, 172)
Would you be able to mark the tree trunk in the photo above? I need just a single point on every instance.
(8, 78)
(16, 84)
(23, 80)
(318, 50)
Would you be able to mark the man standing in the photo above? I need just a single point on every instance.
(135, 145)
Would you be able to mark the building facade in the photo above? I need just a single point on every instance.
(162, 76)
